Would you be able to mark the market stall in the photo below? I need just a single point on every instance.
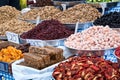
(60, 40)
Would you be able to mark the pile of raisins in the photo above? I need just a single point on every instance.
(112, 19)
(48, 30)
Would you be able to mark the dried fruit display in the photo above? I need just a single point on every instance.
(7, 13)
(80, 12)
(94, 38)
(112, 19)
(48, 30)
(43, 12)
(16, 26)
(86, 68)
(10, 54)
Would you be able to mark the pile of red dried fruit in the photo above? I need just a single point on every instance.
(48, 30)
(117, 52)
(87, 68)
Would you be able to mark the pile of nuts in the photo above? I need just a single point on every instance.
(16, 26)
(43, 12)
(7, 13)
(86, 68)
(80, 12)
(94, 38)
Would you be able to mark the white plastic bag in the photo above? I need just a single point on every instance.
(24, 73)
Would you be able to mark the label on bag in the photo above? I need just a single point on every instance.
(4, 67)
(33, 42)
(12, 37)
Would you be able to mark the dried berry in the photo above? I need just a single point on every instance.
(112, 19)
(48, 30)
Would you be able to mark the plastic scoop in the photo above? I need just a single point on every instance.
(76, 27)
(37, 20)
(63, 6)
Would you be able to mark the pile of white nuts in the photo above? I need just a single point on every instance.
(94, 38)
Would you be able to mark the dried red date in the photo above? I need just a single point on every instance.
(117, 52)
(48, 30)
(87, 68)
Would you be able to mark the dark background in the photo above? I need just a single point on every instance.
(14, 3)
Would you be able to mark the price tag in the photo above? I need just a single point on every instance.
(12, 37)
(38, 43)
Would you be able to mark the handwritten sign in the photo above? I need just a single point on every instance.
(38, 43)
(12, 37)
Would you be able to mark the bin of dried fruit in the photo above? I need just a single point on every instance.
(112, 19)
(10, 52)
(94, 40)
(52, 32)
(86, 68)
